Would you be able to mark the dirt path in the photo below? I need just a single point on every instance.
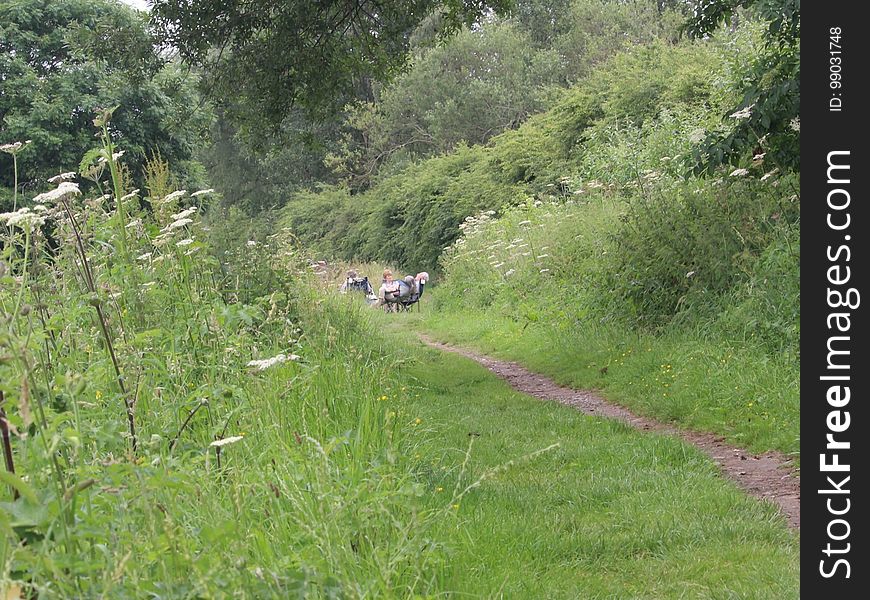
(769, 476)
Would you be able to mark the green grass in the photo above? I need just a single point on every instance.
(740, 392)
(608, 513)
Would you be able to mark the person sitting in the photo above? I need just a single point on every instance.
(354, 282)
(389, 289)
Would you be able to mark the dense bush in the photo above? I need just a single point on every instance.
(411, 216)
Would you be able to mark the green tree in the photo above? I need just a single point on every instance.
(271, 57)
(484, 81)
(60, 60)
(258, 174)
(770, 89)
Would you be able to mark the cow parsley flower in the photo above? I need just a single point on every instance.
(743, 113)
(226, 441)
(62, 177)
(179, 223)
(184, 214)
(23, 218)
(174, 195)
(262, 365)
(130, 196)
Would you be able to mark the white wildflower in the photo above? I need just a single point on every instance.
(184, 214)
(145, 256)
(739, 173)
(174, 195)
(179, 223)
(262, 365)
(538, 203)
(64, 190)
(115, 156)
(40, 208)
(226, 441)
(14, 147)
(743, 113)
(130, 196)
(795, 124)
(62, 177)
(23, 218)
(185, 242)
(769, 174)
(202, 192)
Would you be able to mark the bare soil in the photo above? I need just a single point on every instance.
(770, 477)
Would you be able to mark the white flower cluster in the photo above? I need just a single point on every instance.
(23, 218)
(61, 192)
(14, 147)
(184, 214)
(226, 441)
(743, 113)
(130, 196)
(174, 196)
(262, 365)
(62, 177)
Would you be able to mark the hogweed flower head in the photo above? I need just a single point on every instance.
(14, 147)
(61, 192)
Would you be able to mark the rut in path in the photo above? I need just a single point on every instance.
(769, 476)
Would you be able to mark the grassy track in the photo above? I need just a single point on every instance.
(703, 384)
(608, 513)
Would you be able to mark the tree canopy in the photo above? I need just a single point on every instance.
(61, 60)
(271, 57)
